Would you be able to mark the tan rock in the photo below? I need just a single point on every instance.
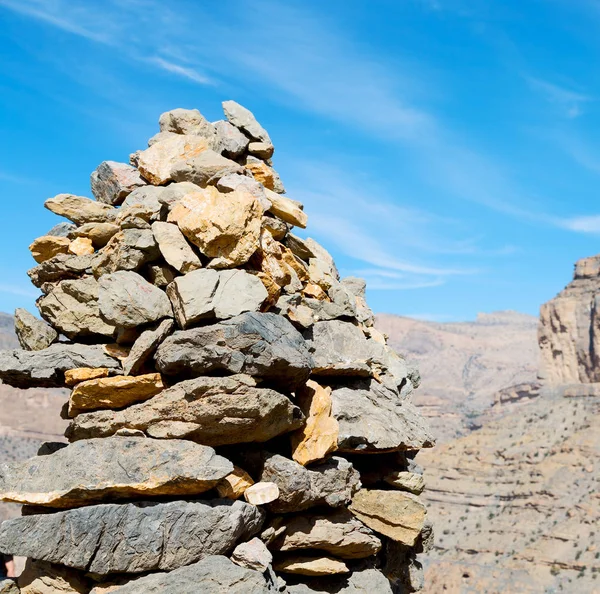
(315, 292)
(310, 565)
(252, 555)
(262, 173)
(406, 481)
(263, 150)
(391, 513)
(234, 484)
(205, 168)
(40, 577)
(287, 210)
(157, 162)
(76, 376)
(81, 246)
(48, 246)
(261, 493)
(113, 392)
(117, 351)
(99, 233)
(319, 436)
(226, 227)
(175, 248)
(80, 210)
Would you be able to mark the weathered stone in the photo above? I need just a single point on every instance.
(332, 483)
(145, 346)
(319, 436)
(80, 210)
(391, 513)
(310, 565)
(234, 484)
(287, 210)
(33, 334)
(406, 481)
(75, 376)
(393, 424)
(211, 410)
(225, 227)
(8, 586)
(157, 163)
(99, 233)
(174, 247)
(262, 150)
(210, 294)
(161, 275)
(113, 392)
(234, 181)
(261, 493)
(212, 575)
(244, 119)
(232, 142)
(61, 267)
(261, 172)
(132, 537)
(276, 227)
(299, 247)
(48, 246)
(368, 581)
(339, 534)
(357, 286)
(205, 168)
(95, 470)
(128, 250)
(259, 344)
(62, 229)
(252, 555)
(40, 577)
(143, 202)
(127, 300)
(113, 182)
(73, 309)
(81, 246)
(186, 121)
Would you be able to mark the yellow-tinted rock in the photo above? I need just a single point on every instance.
(76, 376)
(319, 436)
(113, 392)
(286, 210)
(234, 484)
(40, 577)
(391, 513)
(81, 246)
(48, 246)
(262, 173)
(315, 291)
(310, 565)
(99, 233)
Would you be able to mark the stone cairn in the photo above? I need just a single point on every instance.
(237, 424)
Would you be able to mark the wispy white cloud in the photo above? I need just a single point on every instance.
(179, 70)
(569, 102)
(582, 224)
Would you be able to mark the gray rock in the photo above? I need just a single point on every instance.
(8, 587)
(72, 308)
(146, 196)
(175, 248)
(332, 483)
(186, 121)
(94, 470)
(61, 267)
(127, 300)
(33, 334)
(204, 169)
(252, 555)
(276, 227)
(258, 344)
(210, 294)
(210, 410)
(231, 141)
(145, 346)
(299, 247)
(235, 181)
(132, 537)
(160, 275)
(212, 575)
(367, 581)
(45, 369)
(113, 182)
(128, 250)
(393, 424)
(174, 192)
(62, 229)
(244, 119)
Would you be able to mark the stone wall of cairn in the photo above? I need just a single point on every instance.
(237, 424)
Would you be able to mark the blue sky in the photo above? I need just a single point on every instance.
(447, 151)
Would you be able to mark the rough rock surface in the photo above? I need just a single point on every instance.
(367, 581)
(80, 210)
(175, 249)
(112, 182)
(252, 555)
(145, 345)
(33, 334)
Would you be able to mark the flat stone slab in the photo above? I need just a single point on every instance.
(94, 470)
(132, 537)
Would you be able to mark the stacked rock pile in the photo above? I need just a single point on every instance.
(237, 424)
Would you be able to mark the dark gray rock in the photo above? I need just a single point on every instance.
(45, 369)
(244, 119)
(367, 581)
(132, 537)
(33, 334)
(145, 346)
(259, 344)
(61, 267)
(231, 141)
(128, 250)
(112, 182)
(62, 229)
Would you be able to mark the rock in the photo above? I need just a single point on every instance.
(252, 555)
(127, 300)
(94, 470)
(205, 168)
(145, 346)
(156, 164)
(62, 229)
(132, 537)
(210, 294)
(186, 121)
(225, 227)
(234, 484)
(113, 392)
(81, 246)
(48, 246)
(357, 286)
(276, 227)
(210, 410)
(258, 344)
(244, 119)
(232, 142)
(143, 202)
(99, 233)
(33, 334)
(261, 172)
(174, 247)
(319, 436)
(299, 247)
(8, 586)
(40, 577)
(391, 513)
(61, 267)
(80, 210)
(338, 534)
(286, 209)
(234, 181)
(332, 483)
(311, 565)
(212, 575)
(46, 368)
(73, 309)
(262, 150)
(261, 493)
(368, 581)
(406, 481)
(75, 376)
(113, 182)
(128, 250)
